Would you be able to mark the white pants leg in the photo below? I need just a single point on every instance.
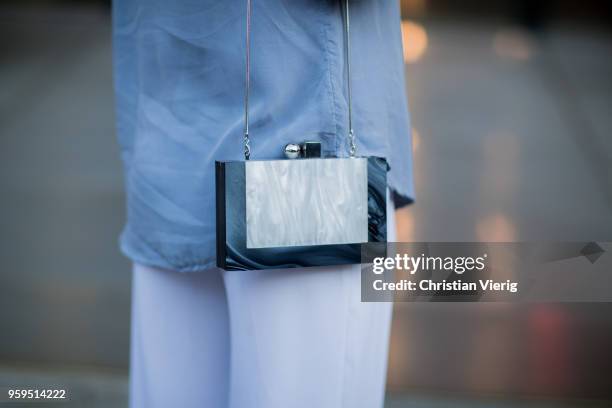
(180, 340)
(280, 338)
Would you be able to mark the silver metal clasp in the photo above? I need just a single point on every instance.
(306, 150)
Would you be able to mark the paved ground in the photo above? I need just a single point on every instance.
(513, 143)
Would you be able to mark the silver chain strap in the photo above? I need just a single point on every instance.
(347, 53)
(247, 86)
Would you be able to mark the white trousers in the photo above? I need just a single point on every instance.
(261, 339)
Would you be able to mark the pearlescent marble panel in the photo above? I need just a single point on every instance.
(306, 202)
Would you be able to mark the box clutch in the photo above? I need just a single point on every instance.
(299, 213)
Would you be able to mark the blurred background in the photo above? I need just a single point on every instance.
(512, 124)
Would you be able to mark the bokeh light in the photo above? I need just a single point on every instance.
(415, 41)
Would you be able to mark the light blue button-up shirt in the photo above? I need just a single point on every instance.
(179, 80)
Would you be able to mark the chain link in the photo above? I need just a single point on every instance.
(247, 147)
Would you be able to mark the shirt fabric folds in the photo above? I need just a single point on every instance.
(179, 83)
